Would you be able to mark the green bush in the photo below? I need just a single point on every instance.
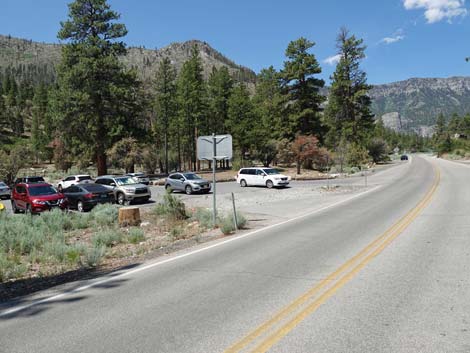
(93, 256)
(136, 235)
(204, 217)
(227, 225)
(107, 237)
(171, 206)
(105, 215)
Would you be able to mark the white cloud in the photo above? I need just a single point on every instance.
(332, 60)
(394, 39)
(438, 10)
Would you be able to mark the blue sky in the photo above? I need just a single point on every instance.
(405, 38)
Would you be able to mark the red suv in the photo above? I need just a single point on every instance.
(36, 198)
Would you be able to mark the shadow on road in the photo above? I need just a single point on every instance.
(17, 293)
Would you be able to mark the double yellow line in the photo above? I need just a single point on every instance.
(273, 330)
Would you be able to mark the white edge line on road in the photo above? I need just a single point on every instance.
(175, 258)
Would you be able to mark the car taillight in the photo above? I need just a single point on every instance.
(89, 196)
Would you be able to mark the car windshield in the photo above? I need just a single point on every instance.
(192, 176)
(42, 190)
(125, 181)
(271, 171)
(84, 177)
(2, 184)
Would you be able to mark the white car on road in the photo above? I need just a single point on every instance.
(268, 177)
(73, 180)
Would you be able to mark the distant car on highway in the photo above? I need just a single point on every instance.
(187, 182)
(73, 180)
(268, 177)
(5, 191)
(36, 198)
(83, 197)
(141, 178)
(404, 157)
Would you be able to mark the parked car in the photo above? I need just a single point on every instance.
(36, 198)
(268, 177)
(5, 191)
(141, 178)
(29, 180)
(187, 182)
(73, 180)
(84, 197)
(125, 188)
(404, 157)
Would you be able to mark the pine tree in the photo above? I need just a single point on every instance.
(241, 119)
(219, 88)
(165, 103)
(39, 111)
(348, 112)
(191, 93)
(97, 97)
(302, 89)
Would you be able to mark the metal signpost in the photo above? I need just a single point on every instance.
(215, 148)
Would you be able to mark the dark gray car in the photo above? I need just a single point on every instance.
(187, 182)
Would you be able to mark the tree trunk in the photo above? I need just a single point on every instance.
(166, 152)
(298, 166)
(101, 164)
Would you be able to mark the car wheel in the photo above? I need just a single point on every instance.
(14, 208)
(269, 184)
(188, 190)
(121, 199)
(243, 183)
(168, 188)
(80, 207)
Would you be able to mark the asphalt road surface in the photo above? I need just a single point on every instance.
(387, 271)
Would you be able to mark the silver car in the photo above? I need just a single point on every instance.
(140, 177)
(187, 182)
(5, 192)
(125, 188)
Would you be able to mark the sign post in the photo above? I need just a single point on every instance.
(207, 149)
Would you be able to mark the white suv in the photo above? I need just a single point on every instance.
(73, 180)
(268, 177)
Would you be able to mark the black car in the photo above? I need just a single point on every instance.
(404, 157)
(84, 197)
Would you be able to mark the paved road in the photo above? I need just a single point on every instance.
(291, 288)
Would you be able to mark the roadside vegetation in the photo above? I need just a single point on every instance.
(56, 242)
(451, 137)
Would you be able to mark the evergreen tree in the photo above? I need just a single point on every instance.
(165, 103)
(219, 88)
(39, 111)
(97, 96)
(191, 93)
(302, 89)
(241, 119)
(348, 112)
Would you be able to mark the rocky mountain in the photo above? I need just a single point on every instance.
(414, 103)
(418, 101)
(36, 59)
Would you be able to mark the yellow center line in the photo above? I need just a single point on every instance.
(378, 243)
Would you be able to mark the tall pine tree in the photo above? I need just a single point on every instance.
(348, 112)
(165, 104)
(97, 95)
(302, 88)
